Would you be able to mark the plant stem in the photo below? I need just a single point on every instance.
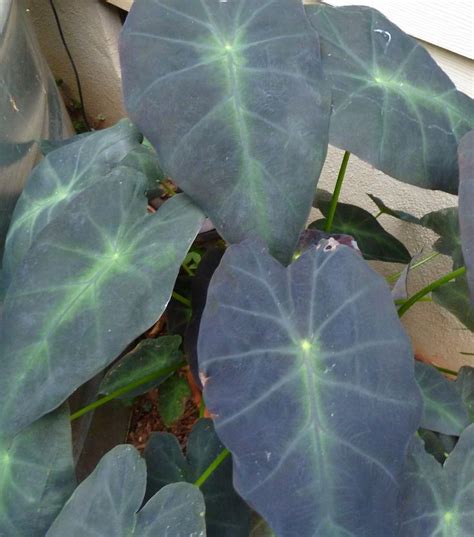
(402, 301)
(180, 298)
(467, 353)
(394, 277)
(125, 389)
(429, 288)
(337, 192)
(447, 371)
(202, 408)
(212, 467)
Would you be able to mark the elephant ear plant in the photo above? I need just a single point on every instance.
(320, 423)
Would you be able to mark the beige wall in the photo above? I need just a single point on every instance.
(92, 29)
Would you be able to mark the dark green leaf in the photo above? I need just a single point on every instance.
(149, 356)
(466, 204)
(36, 476)
(60, 176)
(393, 106)
(437, 444)
(454, 296)
(445, 223)
(226, 514)
(145, 160)
(97, 277)
(443, 408)
(234, 100)
(438, 500)
(172, 398)
(310, 377)
(107, 502)
(465, 385)
(373, 241)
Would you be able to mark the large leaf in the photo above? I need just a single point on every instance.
(233, 98)
(454, 296)
(438, 500)
(318, 401)
(148, 357)
(466, 204)
(226, 514)
(374, 242)
(443, 408)
(392, 105)
(107, 502)
(36, 476)
(57, 179)
(97, 277)
(465, 385)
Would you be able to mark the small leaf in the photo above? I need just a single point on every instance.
(148, 357)
(172, 398)
(454, 296)
(466, 204)
(107, 503)
(310, 378)
(443, 408)
(97, 277)
(145, 160)
(252, 138)
(438, 500)
(393, 106)
(60, 176)
(227, 515)
(374, 242)
(400, 215)
(36, 476)
(437, 444)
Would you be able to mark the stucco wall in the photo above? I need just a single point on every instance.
(92, 29)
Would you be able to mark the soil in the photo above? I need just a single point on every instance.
(146, 420)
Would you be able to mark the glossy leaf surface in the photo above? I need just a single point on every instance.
(393, 106)
(438, 500)
(98, 276)
(148, 357)
(107, 502)
(374, 242)
(443, 408)
(233, 98)
(318, 401)
(226, 514)
(61, 175)
(36, 476)
(466, 204)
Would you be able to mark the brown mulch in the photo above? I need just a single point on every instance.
(146, 420)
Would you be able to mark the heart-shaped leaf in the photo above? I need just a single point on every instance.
(61, 175)
(233, 98)
(107, 503)
(226, 514)
(318, 401)
(148, 357)
(97, 277)
(466, 204)
(443, 408)
(393, 106)
(438, 500)
(36, 476)
(374, 242)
